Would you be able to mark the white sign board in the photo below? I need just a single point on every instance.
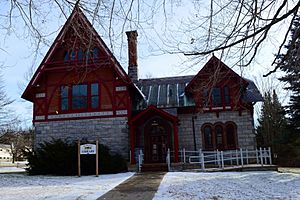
(88, 149)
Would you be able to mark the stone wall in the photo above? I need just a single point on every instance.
(109, 131)
(245, 128)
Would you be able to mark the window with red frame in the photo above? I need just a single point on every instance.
(219, 136)
(218, 97)
(79, 97)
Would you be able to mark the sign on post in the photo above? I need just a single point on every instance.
(88, 149)
(85, 149)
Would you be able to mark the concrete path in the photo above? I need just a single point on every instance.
(141, 186)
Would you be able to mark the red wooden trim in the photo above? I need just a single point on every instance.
(156, 110)
(212, 60)
(78, 14)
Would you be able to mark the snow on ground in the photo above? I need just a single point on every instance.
(229, 185)
(11, 169)
(24, 187)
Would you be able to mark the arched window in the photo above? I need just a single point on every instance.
(231, 135)
(208, 137)
(219, 137)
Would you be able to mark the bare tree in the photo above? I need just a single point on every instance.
(237, 29)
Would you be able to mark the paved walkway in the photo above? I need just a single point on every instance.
(141, 186)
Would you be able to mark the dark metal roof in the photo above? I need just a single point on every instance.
(165, 92)
(252, 93)
(169, 92)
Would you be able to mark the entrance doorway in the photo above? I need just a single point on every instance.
(157, 140)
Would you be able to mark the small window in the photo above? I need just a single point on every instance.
(64, 90)
(94, 95)
(205, 98)
(79, 96)
(216, 97)
(226, 96)
(66, 56)
(95, 53)
(73, 55)
(80, 54)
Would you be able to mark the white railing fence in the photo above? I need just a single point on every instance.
(222, 159)
(168, 160)
(140, 160)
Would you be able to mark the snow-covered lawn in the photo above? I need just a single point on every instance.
(229, 185)
(11, 169)
(23, 187)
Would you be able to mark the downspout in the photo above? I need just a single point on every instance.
(194, 133)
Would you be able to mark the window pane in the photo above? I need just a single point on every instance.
(219, 134)
(79, 96)
(73, 55)
(80, 54)
(79, 90)
(66, 56)
(216, 97)
(95, 102)
(230, 135)
(96, 53)
(94, 89)
(64, 104)
(208, 137)
(64, 91)
(226, 96)
(79, 102)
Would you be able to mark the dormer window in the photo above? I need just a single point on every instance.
(95, 53)
(73, 55)
(66, 56)
(80, 54)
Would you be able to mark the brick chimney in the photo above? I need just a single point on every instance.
(132, 55)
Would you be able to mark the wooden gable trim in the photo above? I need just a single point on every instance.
(152, 109)
(28, 95)
(212, 60)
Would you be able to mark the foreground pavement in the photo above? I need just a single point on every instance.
(141, 186)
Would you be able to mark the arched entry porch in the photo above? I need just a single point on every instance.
(154, 131)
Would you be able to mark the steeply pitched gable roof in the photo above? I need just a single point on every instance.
(170, 91)
(76, 14)
(211, 66)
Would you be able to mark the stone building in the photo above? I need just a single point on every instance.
(80, 91)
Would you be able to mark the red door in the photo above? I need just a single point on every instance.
(158, 148)
(156, 141)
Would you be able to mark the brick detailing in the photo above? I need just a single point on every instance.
(132, 55)
(245, 128)
(112, 132)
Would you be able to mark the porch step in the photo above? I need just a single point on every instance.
(154, 167)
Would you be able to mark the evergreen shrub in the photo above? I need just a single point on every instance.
(59, 157)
